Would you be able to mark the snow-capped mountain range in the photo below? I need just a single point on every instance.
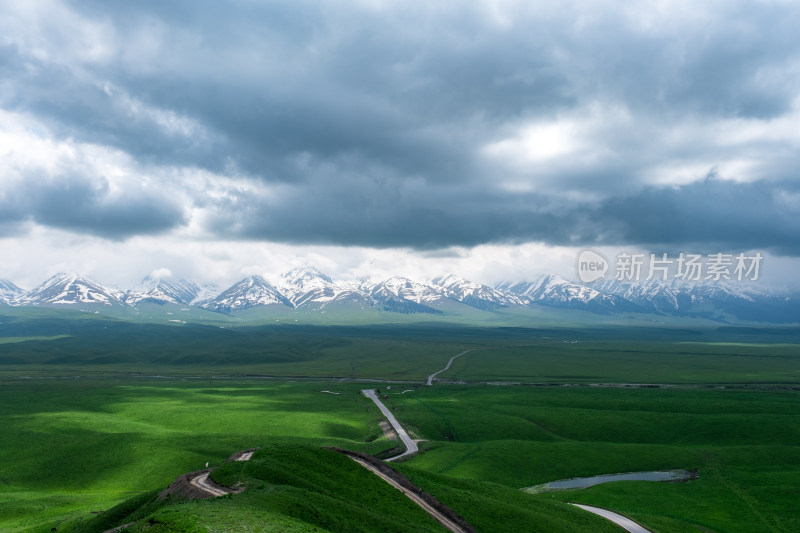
(9, 292)
(156, 290)
(70, 289)
(309, 289)
(253, 291)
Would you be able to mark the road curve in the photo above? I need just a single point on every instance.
(450, 362)
(201, 482)
(411, 446)
(622, 521)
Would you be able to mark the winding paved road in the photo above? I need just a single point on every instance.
(450, 362)
(411, 446)
(622, 521)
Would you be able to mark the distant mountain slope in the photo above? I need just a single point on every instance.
(474, 294)
(156, 290)
(253, 291)
(402, 295)
(400, 288)
(555, 291)
(71, 290)
(9, 292)
(690, 298)
(307, 290)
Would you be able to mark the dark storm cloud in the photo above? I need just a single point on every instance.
(372, 122)
(710, 213)
(703, 214)
(78, 204)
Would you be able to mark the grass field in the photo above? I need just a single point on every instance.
(75, 445)
(297, 487)
(745, 443)
(87, 422)
(624, 361)
(58, 347)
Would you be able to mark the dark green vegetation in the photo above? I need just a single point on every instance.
(87, 424)
(76, 445)
(91, 345)
(303, 487)
(745, 443)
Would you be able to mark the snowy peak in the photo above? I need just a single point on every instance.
(70, 289)
(475, 294)
(307, 276)
(308, 289)
(250, 292)
(556, 288)
(307, 286)
(9, 292)
(402, 295)
(156, 290)
(682, 295)
(405, 289)
(555, 291)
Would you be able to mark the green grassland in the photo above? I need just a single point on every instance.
(745, 444)
(303, 485)
(96, 411)
(620, 361)
(296, 488)
(410, 352)
(75, 445)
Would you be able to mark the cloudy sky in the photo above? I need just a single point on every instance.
(492, 139)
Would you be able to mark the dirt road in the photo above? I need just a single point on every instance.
(202, 482)
(450, 362)
(414, 497)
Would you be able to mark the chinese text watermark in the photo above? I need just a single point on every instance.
(684, 266)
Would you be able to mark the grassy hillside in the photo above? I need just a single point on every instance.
(745, 444)
(72, 446)
(307, 488)
(299, 485)
(97, 411)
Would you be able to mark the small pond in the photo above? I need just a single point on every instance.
(584, 482)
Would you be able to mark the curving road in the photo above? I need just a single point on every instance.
(411, 446)
(201, 482)
(622, 521)
(450, 362)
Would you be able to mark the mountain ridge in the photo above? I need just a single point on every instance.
(309, 289)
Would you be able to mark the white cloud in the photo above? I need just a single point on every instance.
(50, 32)
(382, 123)
(161, 273)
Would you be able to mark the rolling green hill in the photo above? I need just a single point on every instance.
(303, 488)
(98, 413)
